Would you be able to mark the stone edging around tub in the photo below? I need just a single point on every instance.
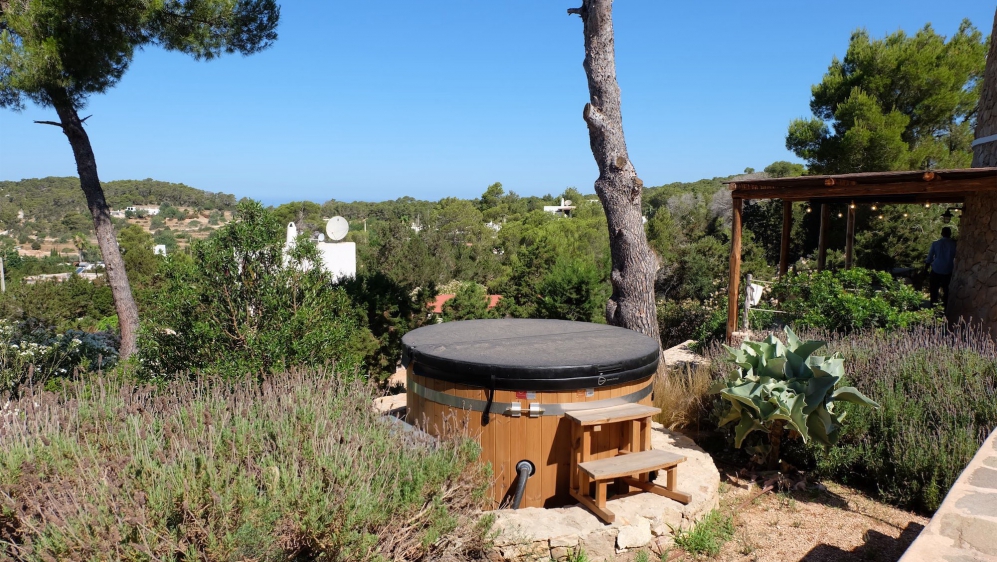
(642, 520)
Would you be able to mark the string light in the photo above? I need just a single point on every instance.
(840, 215)
(880, 217)
(873, 206)
(927, 205)
(905, 215)
(809, 209)
(852, 206)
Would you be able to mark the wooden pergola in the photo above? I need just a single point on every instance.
(881, 188)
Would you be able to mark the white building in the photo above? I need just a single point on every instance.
(564, 209)
(159, 249)
(147, 209)
(338, 258)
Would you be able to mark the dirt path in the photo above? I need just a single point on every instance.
(838, 524)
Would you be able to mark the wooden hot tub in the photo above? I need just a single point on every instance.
(511, 381)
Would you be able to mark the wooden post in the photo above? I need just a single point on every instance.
(787, 229)
(735, 267)
(850, 237)
(825, 223)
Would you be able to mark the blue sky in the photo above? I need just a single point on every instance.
(378, 100)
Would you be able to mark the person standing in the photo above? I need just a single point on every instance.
(941, 259)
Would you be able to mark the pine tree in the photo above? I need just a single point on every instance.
(57, 53)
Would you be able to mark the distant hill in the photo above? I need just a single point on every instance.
(51, 199)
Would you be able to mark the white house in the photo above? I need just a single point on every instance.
(338, 258)
(147, 209)
(563, 210)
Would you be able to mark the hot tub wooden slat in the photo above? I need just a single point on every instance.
(544, 441)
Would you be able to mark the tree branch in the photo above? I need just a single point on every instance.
(53, 123)
(84, 120)
(575, 11)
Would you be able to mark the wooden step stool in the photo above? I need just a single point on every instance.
(631, 466)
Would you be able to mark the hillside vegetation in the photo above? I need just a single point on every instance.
(53, 199)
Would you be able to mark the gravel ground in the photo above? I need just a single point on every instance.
(833, 524)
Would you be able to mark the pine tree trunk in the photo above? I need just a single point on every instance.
(974, 280)
(618, 187)
(86, 166)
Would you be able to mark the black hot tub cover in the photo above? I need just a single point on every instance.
(526, 354)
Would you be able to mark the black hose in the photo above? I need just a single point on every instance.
(488, 406)
(525, 470)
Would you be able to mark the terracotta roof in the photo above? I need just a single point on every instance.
(437, 305)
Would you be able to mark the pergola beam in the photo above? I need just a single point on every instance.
(912, 191)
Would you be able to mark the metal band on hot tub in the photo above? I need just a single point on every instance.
(474, 405)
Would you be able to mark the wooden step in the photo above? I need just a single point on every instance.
(612, 414)
(627, 465)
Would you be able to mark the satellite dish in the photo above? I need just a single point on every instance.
(567, 202)
(336, 228)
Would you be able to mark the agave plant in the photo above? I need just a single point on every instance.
(776, 386)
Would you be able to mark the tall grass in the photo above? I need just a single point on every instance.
(297, 467)
(680, 392)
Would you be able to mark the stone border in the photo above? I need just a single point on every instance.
(642, 519)
(964, 529)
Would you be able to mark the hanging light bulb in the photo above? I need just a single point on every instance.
(852, 205)
(809, 209)
(880, 217)
(840, 215)
(927, 205)
(905, 215)
(873, 206)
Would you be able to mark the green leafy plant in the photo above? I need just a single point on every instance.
(774, 386)
(850, 300)
(708, 536)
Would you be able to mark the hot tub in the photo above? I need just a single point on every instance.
(510, 382)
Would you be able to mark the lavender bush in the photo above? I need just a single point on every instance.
(296, 468)
(938, 391)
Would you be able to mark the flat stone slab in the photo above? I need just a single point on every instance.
(964, 529)
(682, 354)
(544, 534)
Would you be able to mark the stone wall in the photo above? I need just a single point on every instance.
(974, 281)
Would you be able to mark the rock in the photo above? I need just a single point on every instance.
(562, 553)
(662, 544)
(526, 551)
(567, 540)
(389, 404)
(634, 536)
(600, 546)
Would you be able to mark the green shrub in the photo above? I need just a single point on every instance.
(34, 354)
(849, 300)
(938, 392)
(470, 302)
(296, 468)
(233, 306)
(392, 310)
(704, 322)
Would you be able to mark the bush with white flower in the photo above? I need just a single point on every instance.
(37, 355)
